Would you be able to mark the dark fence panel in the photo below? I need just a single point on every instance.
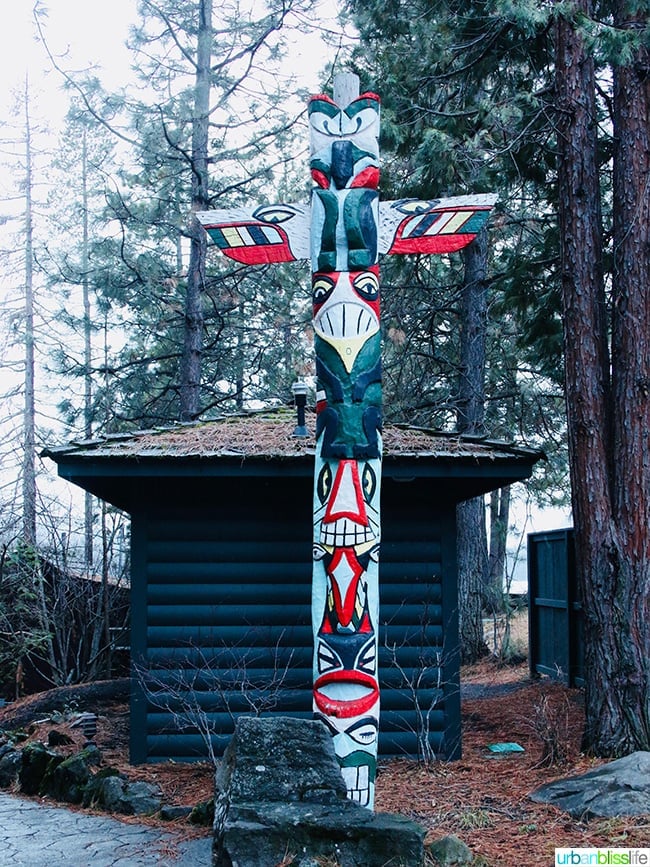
(555, 609)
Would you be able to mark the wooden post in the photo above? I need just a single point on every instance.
(345, 291)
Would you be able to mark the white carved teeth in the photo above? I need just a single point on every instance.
(345, 320)
(345, 533)
(357, 784)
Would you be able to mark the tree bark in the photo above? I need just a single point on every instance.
(190, 373)
(472, 565)
(607, 450)
(470, 515)
(87, 328)
(499, 517)
(29, 412)
(627, 725)
(86, 696)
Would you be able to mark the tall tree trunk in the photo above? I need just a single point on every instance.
(106, 597)
(607, 437)
(190, 373)
(470, 515)
(29, 413)
(626, 725)
(499, 518)
(87, 329)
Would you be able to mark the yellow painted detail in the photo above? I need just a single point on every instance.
(233, 237)
(348, 348)
(455, 223)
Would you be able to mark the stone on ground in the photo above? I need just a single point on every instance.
(450, 850)
(620, 788)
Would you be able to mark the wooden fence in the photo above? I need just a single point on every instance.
(555, 609)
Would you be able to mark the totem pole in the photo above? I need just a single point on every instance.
(342, 231)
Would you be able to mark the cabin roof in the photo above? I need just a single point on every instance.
(270, 435)
(145, 468)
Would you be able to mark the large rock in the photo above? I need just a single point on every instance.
(10, 763)
(345, 834)
(280, 759)
(620, 788)
(280, 793)
(67, 780)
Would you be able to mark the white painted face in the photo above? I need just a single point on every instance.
(348, 505)
(358, 122)
(355, 744)
(346, 311)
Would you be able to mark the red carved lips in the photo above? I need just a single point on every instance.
(345, 694)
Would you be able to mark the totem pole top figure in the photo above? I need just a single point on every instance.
(342, 231)
(259, 235)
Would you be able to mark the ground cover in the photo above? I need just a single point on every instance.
(483, 798)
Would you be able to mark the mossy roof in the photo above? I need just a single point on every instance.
(270, 435)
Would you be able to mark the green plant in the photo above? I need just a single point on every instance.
(474, 819)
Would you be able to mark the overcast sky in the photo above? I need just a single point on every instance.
(87, 32)
(92, 33)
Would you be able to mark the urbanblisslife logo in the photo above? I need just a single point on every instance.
(602, 856)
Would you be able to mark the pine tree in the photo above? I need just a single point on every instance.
(216, 144)
(83, 167)
(29, 414)
(204, 126)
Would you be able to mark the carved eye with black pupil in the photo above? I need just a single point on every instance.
(324, 483)
(322, 288)
(366, 285)
(414, 206)
(274, 213)
(368, 482)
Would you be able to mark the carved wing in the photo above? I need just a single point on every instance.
(281, 233)
(268, 233)
(436, 226)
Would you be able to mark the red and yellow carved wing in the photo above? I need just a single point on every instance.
(437, 226)
(269, 233)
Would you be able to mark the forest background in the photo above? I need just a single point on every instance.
(116, 316)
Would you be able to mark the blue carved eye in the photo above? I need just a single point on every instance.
(274, 213)
(327, 658)
(322, 288)
(366, 286)
(364, 731)
(367, 659)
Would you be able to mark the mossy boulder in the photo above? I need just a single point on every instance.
(10, 763)
(37, 761)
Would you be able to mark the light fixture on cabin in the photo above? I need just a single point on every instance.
(300, 390)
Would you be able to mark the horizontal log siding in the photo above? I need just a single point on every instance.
(222, 604)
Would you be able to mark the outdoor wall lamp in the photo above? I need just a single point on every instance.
(300, 391)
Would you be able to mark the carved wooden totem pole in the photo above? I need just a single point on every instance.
(342, 231)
